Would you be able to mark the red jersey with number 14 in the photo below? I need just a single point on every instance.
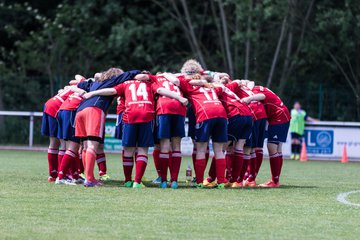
(139, 101)
(204, 101)
(165, 105)
(53, 104)
(276, 110)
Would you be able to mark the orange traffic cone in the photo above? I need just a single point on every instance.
(303, 155)
(344, 158)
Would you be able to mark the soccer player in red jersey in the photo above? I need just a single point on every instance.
(138, 119)
(66, 131)
(49, 128)
(279, 119)
(170, 128)
(90, 118)
(239, 128)
(211, 122)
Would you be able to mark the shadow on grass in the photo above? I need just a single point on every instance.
(183, 185)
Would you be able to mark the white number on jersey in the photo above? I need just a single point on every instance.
(139, 92)
(167, 85)
(207, 95)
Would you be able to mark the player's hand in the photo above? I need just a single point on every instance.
(246, 100)
(208, 85)
(184, 101)
(78, 77)
(87, 95)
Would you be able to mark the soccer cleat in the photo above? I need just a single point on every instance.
(80, 180)
(163, 184)
(64, 181)
(297, 157)
(220, 186)
(94, 183)
(138, 185)
(292, 157)
(158, 180)
(104, 177)
(208, 183)
(237, 185)
(199, 185)
(51, 179)
(128, 184)
(250, 184)
(270, 184)
(174, 185)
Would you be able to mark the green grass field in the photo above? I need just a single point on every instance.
(305, 207)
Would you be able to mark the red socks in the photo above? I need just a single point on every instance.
(238, 160)
(60, 157)
(246, 158)
(53, 162)
(164, 165)
(252, 167)
(200, 165)
(175, 163)
(83, 157)
(128, 165)
(156, 153)
(212, 170)
(220, 170)
(141, 163)
(229, 160)
(101, 162)
(66, 163)
(90, 164)
(259, 159)
(276, 162)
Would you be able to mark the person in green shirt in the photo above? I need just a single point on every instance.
(297, 126)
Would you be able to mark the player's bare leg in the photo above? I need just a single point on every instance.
(53, 151)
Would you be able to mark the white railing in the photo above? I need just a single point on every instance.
(31, 116)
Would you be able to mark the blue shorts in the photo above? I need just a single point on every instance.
(278, 132)
(119, 126)
(239, 127)
(138, 134)
(192, 123)
(66, 123)
(258, 134)
(169, 126)
(216, 128)
(49, 126)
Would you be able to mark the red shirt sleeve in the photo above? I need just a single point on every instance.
(152, 78)
(120, 89)
(155, 86)
(232, 86)
(218, 90)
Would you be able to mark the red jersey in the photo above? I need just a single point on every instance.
(121, 105)
(53, 104)
(72, 102)
(231, 103)
(139, 101)
(204, 101)
(276, 111)
(257, 108)
(165, 105)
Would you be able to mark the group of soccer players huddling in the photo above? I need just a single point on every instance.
(234, 114)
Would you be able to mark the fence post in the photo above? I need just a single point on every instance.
(31, 129)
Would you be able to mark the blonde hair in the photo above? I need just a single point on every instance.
(111, 72)
(191, 67)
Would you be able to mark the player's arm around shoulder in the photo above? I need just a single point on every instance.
(102, 92)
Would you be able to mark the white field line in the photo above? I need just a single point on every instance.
(342, 198)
